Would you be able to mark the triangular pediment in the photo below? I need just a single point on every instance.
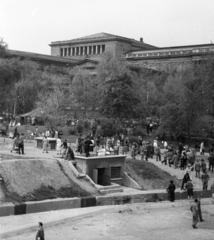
(95, 36)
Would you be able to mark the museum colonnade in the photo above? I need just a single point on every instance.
(82, 50)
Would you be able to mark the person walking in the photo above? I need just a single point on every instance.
(194, 210)
(15, 143)
(158, 153)
(203, 166)
(199, 209)
(205, 179)
(40, 234)
(21, 143)
(45, 144)
(197, 169)
(171, 191)
(169, 157)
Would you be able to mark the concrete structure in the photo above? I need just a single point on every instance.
(102, 170)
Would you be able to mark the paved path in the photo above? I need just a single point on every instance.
(149, 221)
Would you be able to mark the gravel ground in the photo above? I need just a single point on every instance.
(136, 221)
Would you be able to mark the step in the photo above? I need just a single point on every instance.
(104, 192)
(109, 187)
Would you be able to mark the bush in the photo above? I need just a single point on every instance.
(108, 128)
(72, 131)
(138, 131)
(79, 128)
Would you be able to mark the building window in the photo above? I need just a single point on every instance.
(73, 49)
(90, 49)
(115, 172)
(103, 48)
(69, 51)
(61, 52)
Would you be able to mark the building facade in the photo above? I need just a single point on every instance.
(94, 46)
(137, 53)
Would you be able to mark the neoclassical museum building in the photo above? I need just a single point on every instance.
(88, 51)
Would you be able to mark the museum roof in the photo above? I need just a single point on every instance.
(40, 57)
(99, 37)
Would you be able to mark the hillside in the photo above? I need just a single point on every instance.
(147, 175)
(32, 180)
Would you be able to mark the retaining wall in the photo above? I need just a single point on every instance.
(69, 203)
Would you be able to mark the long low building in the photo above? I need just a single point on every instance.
(87, 51)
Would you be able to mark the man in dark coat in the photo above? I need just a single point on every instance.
(40, 234)
(211, 162)
(87, 144)
(171, 191)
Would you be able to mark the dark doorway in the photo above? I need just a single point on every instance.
(101, 176)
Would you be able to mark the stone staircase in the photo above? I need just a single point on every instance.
(113, 188)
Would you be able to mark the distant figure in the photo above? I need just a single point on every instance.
(189, 187)
(202, 148)
(212, 189)
(203, 166)
(45, 144)
(194, 210)
(40, 234)
(69, 155)
(87, 144)
(211, 162)
(171, 191)
(205, 179)
(186, 178)
(199, 209)
(21, 143)
(58, 145)
(197, 169)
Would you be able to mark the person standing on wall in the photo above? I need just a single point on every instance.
(171, 191)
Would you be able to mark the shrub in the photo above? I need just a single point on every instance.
(79, 128)
(72, 131)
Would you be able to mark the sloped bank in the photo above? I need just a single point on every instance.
(36, 180)
(148, 176)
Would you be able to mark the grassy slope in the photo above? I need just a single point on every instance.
(148, 176)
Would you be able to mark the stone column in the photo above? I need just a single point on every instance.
(83, 51)
(87, 50)
(75, 51)
(96, 52)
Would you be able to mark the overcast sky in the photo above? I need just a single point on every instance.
(30, 25)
